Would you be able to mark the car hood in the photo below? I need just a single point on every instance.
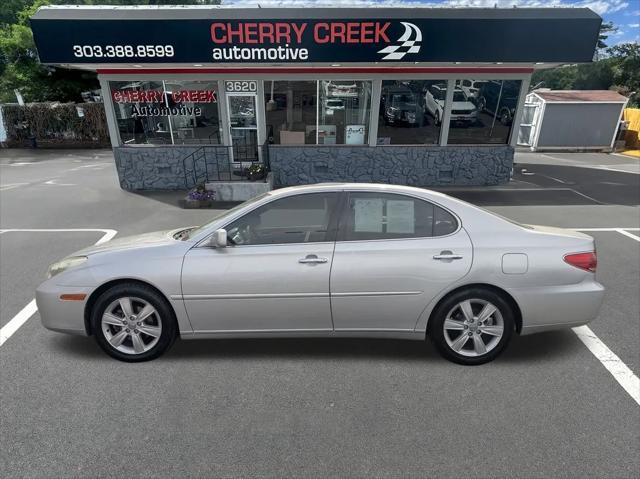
(463, 105)
(146, 240)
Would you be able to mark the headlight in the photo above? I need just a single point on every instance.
(62, 265)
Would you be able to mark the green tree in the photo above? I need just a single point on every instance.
(19, 65)
(625, 59)
(561, 78)
(606, 29)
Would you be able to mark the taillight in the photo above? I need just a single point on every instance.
(586, 261)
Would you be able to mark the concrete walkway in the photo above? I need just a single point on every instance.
(602, 161)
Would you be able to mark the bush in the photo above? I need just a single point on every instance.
(56, 125)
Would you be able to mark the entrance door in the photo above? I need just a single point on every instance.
(244, 126)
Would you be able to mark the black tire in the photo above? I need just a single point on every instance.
(164, 311)
(505, 117)
(436, 325)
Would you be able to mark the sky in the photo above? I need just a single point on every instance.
(625, 14)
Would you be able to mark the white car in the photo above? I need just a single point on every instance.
(462, 110)
(333, 105)
(471, 88)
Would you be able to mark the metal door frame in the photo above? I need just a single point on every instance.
(256, 128)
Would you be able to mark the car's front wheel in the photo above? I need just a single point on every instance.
(132, 322)
(472, 326)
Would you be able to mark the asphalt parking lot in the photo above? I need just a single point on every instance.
(548, 407)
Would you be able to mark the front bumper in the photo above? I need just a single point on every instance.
(59, 315)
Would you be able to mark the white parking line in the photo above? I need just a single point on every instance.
(29, 310)
(10, 186)
(627, 234)
(619, 370)
(605, 229)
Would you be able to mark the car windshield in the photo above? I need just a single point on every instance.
(437, 94)
(459, 96)
(185, 235)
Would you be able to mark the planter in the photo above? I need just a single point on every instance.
(194, 204)
(256, 176)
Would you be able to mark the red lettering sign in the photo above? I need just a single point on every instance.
(155, 96)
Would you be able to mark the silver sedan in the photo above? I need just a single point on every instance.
(330, 260)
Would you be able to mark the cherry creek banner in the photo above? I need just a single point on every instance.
(382, 41)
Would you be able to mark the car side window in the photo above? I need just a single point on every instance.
(295, 219)
(373, 216)
(444, 222)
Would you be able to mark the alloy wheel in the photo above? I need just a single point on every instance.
(473, 327)
(131, 325)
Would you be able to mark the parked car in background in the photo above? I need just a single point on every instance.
(463, 111)
(341, 89)
(471, 88)
(400, 105)
(333, 105)
(499, 97)
(329, 260)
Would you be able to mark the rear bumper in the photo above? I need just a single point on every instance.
(58, 315)
(558, 307)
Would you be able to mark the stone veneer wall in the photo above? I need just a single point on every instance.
(405, 165)
(163, 168)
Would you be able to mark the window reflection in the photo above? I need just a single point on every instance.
(483, 111)
(406, 117)
(324, 112)
(201, 122)
(290, 108)
(171, 112)
(343, 116)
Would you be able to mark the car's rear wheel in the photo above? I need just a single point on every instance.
(472, 326)
(132, 322)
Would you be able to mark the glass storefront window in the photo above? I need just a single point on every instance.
(343, 113)
(324, 112)
(166, 112)
(199, 121)
(290, 108)
(411, 112)
(483, 111)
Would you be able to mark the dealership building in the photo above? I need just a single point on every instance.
(418, 96)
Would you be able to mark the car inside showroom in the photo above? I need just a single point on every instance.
(422, 97)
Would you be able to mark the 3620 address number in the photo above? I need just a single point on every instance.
(122, 51)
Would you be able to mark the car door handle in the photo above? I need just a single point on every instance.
(312, 259)
(446, 255)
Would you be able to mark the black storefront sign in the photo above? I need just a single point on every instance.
(376, 40)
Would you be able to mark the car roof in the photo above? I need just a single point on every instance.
(370, 187)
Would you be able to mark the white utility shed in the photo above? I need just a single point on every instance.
(571, 119)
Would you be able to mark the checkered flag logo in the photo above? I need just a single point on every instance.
(397, 52)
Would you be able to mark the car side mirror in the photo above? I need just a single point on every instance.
(219, 238)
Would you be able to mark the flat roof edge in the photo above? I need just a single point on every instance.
(166, 12)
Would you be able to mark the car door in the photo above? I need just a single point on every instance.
(274, 273)
(394, 253)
